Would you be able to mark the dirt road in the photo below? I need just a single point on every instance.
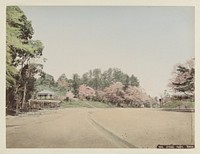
(100, 128)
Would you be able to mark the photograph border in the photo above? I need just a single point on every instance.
(5, 3)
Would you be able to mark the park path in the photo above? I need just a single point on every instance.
(68, 128)
(99, 128)
(146, 128)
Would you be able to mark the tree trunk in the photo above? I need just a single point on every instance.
(17, 100)
(17, 108)
(24, 96)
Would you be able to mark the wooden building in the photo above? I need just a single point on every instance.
(45, 99)
(35, 104)
(45, 95)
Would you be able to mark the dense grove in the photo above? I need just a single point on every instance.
(111, 86)
(95, 79)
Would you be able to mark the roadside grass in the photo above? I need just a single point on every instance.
(179, 104)
(100, 104)
(86, 104)
(191, 105)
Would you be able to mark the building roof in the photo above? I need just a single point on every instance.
(45, 92)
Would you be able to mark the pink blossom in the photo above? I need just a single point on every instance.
(86, 92)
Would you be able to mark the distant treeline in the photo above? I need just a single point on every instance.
(96, 79)
(109, 86)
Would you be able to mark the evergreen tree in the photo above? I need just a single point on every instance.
(75, 84)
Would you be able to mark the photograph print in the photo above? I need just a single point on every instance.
(100, 77)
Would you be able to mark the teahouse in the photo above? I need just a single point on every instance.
(45, 99)
(45, 94)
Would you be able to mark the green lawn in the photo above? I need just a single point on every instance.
(181, 104)
(87, 104)
(95, 104)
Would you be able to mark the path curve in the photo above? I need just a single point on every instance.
(109, 134)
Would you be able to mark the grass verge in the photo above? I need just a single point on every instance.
(180, 104)
(87, 104)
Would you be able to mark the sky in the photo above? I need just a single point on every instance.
(144, 41)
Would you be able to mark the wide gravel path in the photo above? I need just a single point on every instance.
(99, 128)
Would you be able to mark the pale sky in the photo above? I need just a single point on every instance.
(144, 41)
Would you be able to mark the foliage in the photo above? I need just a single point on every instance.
(114, 93)
(99, 80)
(46, 79)
(75, 83)
(93, 83)
(21, 51)
(62, 82)
(47, 82)
(183, 78)
(136, 95)
(70, 95)
(118, 95)
(105, 87)
(86, 92)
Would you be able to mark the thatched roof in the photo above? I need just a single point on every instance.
(45, 92)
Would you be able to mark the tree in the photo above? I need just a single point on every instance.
(119, 95)
(45, 81)
(106, 79)
(21, 50)
(86, 92)
(75, 84)
(69, 96)
(183, 78)
(100, 96)
(127, 82)
(119, 76)
(96, 78)
(136, 96)
(134, 81)
(85, 78)
(115, 93)
(62, 82)
(29, 81)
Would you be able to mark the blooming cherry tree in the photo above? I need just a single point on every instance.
(69, 95)
(86, 92)
(136, 96)
(115, 93)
